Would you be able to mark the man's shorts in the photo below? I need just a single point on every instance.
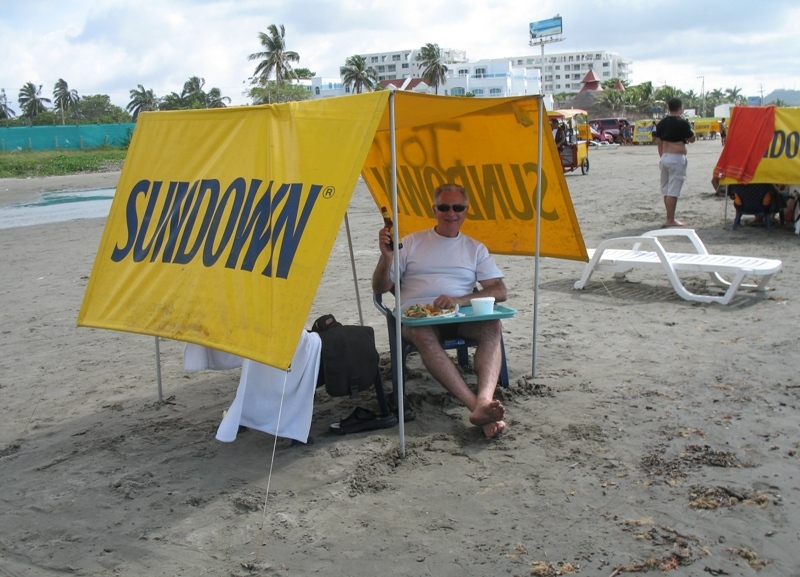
(673, 173)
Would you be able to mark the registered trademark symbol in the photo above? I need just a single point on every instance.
(328, 192)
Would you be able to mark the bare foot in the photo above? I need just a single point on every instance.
(492, 430)
(674, 223)
(490, 413)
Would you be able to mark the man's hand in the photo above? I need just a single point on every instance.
(385, 242)
(489, 288)
(446, 302)
(381, 281)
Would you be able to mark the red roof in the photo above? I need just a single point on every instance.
(591, 76)
(398, 83)
(590, 82)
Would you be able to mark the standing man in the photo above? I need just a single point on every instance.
(442, 266)
(723, 131)
(672, 135)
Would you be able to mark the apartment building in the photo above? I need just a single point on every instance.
(403, 63)
(515, 76)
(563, 71)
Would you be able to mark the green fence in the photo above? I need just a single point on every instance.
(69, 137)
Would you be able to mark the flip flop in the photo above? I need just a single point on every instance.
(362, 419)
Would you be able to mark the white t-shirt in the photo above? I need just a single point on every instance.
(433, 265)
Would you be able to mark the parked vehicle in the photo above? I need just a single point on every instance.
(600, 136)
(608, 125)
(575, 153)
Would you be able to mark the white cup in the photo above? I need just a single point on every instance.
(482, 306)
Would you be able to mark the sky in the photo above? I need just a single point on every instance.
(112, 46)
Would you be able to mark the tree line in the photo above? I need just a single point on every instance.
(646, 101)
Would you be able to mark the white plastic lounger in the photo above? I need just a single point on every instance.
(607, 259)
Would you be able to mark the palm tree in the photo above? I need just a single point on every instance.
(643, 96)
(174, 101)
(214, 99)
(665, 93)
(733, 94)
(64, 98)
(142, 101)
(358, 73)
(193, 92)
(275, 58)
(614, 99)
(692, 100)
(716, 95)
(31, 100)
(434, 71)
(562, 97)
(5, 112)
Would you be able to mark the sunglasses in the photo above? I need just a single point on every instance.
(447, 207)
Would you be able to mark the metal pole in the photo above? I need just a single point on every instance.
(541, 73)
(538, 236)
(353, 266)
(158, 372)
(398, 336)
(703, 93)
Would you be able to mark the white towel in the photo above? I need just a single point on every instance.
(258, 398)
(200, 358)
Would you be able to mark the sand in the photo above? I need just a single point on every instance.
(658, 434)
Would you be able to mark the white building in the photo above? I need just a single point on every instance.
(515, 76)
(325, 87)
(403, 63)
(396, 65)
(494, 78)
(563, 71)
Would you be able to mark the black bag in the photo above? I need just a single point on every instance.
(349, 360)
(324, 323)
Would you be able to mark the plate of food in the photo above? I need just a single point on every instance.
(427, 311)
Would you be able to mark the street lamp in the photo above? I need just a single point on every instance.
(703, 92)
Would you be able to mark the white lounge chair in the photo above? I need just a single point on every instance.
(648, 252)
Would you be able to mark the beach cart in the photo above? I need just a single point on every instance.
(575, 154)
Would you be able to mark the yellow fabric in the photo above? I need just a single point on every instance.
(293, 167)
(488, 146)
(176, 261)
(643, 131)
(781, 165)
(704, 126)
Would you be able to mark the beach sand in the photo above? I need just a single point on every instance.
(658, 434)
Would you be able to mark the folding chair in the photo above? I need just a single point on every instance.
(755, 199)
(459, 344)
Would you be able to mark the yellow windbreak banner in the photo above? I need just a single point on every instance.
(223, 221)
(643, 131)
(489, 146)
(781, 163)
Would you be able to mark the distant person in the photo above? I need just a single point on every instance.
(673, 133)
(558, 134)
(627, 134)
(653, 132)
(723, 131)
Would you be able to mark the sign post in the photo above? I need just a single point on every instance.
(542, 32)
(545, 32)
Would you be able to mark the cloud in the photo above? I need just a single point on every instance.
(110, 47)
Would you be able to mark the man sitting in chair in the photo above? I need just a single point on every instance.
(442, 266)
